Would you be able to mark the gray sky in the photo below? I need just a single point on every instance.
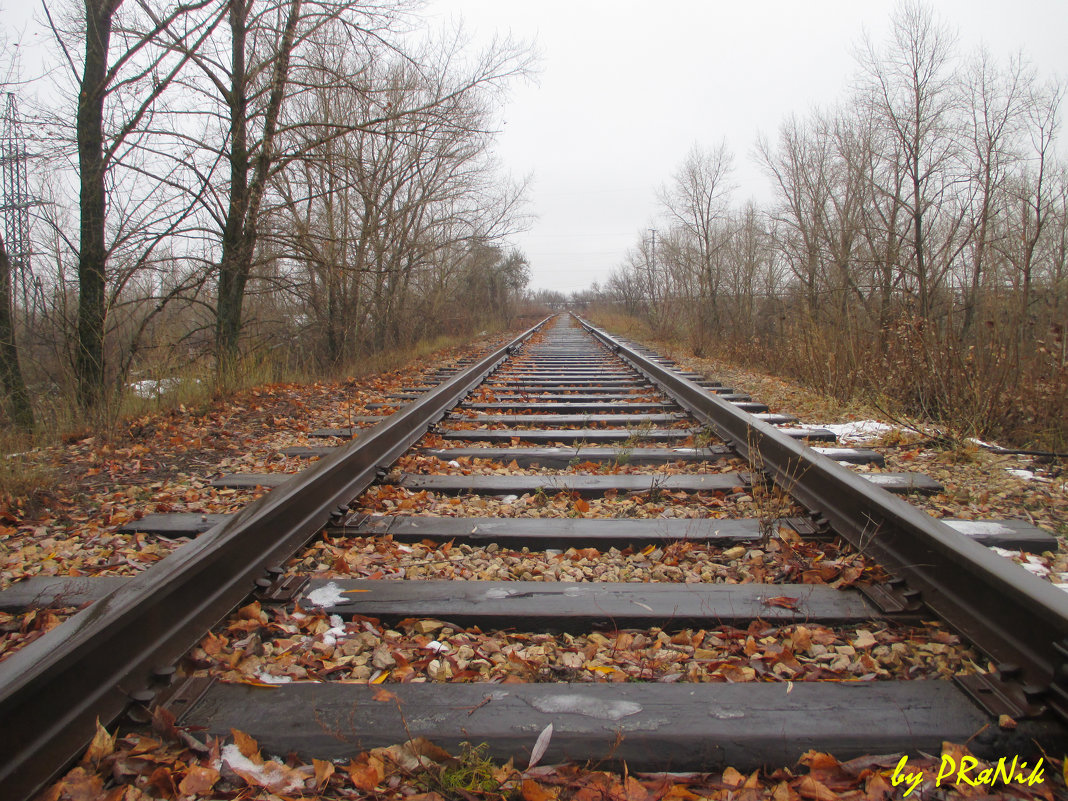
(626, 89)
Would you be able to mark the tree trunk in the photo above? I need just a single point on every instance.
(232, 273)
(92, 251)
(240, 230)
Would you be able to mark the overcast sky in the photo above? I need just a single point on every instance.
(627, 88)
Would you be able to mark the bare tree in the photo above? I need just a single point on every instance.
(995, 102)
(1031, 196)
(696, 203)
(388, 216)
(909, 89)
(274, 55)
(117, 92)
(796, 167)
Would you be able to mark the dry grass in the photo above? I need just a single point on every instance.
(989, 386)
(26, 478)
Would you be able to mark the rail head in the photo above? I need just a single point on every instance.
(93, 666)
(1019, 620)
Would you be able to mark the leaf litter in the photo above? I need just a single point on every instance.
(255, 647)
(275, 645)
(172, 764)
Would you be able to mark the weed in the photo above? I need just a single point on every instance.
(576, 460)
(772, 501)
(627, 446)
(656, 488)
(472, 772)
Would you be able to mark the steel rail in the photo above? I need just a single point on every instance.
(1019, 620)
(54, 690)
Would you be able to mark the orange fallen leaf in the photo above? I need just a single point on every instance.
(810, 788)
(679, 792)
(366, 776)
(382, 694)
(247, 745)
(323, 771)
(198, 779)
(102, 745)
(532, 791)
(732, 778)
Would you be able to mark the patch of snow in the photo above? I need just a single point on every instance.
(583, 705)
(498, 593)
(1027, 475)
(152, 388)
(270, 778)
(325, 597)
(454, 463)
(1036, 565)
(267, 678)
(975, 528)
(857, 430)
(509, 498)
(834, 453)
(437, 647)
(1031, 563)
(335, 632)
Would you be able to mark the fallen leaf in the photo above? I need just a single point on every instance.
(732, 778)
(532, 791)
(323, 771)
(248, 746)
(810, 788)
(197, 780)
(367, 775)
(542, 743)
(102, 745)
(381, 694)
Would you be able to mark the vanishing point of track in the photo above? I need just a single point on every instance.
(561, 394)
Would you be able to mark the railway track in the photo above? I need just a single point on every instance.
(621, 457)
